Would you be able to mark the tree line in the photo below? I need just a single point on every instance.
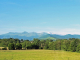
(70, 44)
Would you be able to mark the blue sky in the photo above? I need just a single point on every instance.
(55, 16)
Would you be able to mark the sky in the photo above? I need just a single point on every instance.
(51, 16)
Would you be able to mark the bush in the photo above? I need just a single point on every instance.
(35, 46)
(4, 48)
(0, 49)
(40, 47)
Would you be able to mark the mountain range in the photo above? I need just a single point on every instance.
(32, 35)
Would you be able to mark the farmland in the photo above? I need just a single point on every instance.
(38, 55)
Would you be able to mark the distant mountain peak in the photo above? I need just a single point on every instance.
(11, 32)
(30, 35)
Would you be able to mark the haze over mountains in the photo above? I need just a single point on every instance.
(32, 35)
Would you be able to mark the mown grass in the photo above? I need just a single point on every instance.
(38, 55)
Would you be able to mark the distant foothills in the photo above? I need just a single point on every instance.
(32, 35)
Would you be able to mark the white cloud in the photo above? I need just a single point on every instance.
(68, 31)
(60, 31)
(63, 31)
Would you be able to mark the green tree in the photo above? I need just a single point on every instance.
(28, 45)
(36, 41)
(24, 45)
(18, 46)
(51, 44)
(11, 46)
(33, 46)
(46, 44)
(55, 45)
(78, 48)
(42, 44)
(73, 45)
(65, 45)
(58, 44)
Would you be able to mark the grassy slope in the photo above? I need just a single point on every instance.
(49, 38)
(38, 55)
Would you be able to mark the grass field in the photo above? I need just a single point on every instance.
(38, 55)
(3, 47)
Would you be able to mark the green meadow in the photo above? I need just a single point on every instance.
(38, 55)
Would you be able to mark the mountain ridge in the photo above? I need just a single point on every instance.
(32, 35)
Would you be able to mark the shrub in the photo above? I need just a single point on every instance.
(0, 49)
(4, 48)
(40, 47)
